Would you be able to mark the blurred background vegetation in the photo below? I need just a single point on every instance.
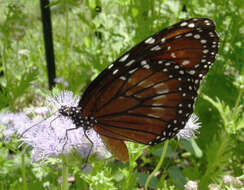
(88, 36)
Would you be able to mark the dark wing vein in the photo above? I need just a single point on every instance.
(119, 91)
(123, 137)
(125, 128)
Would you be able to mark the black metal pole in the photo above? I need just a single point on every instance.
(48, 41)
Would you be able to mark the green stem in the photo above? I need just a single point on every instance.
(66, 42)
(17, 52)
(240, 95)
(64, 175)
(158, 165)
(23, 172)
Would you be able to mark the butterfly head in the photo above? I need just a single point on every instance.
(70, 111)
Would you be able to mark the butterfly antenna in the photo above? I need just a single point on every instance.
(50, 125)
(21, 135)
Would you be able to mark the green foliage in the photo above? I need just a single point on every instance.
(86, 41)
(16, 87)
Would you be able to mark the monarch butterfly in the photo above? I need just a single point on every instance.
(147, 95)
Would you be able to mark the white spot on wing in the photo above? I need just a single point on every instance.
(177, 36)
(110, 66)
(143, 62)
(197, 65)
(115, 71)
(155, 48)
(122, 59)
(173, 55)
(192, 72)
(203, 41)
(183, 24)
(150, 40)
(129, 63)
(163, 40)
(132, 71)
(185, 62)
(192, 25)
(207, 22)
(205, 51)
(163, 91)
(122, 78)
(188, 35)
(181, 72)
(197, 36)
(156, 108)
(146, 66)
(152, 115)
(158, 97)
(177, 66)
(158, 85)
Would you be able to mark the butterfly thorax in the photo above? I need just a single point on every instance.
(77, 117)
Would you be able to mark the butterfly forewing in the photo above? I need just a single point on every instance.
(147, 95)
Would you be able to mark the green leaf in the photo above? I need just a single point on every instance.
(169, 153)
(177, 177)
(142, 177)
(192, 147)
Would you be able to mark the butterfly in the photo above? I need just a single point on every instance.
(147, 95)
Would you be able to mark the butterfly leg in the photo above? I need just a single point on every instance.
(85, 133)
(67, 137)
(50, 125)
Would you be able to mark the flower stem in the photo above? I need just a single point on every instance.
(66, 40)
(64, 174)
(158, 165)
(23, 172)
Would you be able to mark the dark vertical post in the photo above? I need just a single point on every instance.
(48, 41)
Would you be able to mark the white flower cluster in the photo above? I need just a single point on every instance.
(190, 128)
(49, 136)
